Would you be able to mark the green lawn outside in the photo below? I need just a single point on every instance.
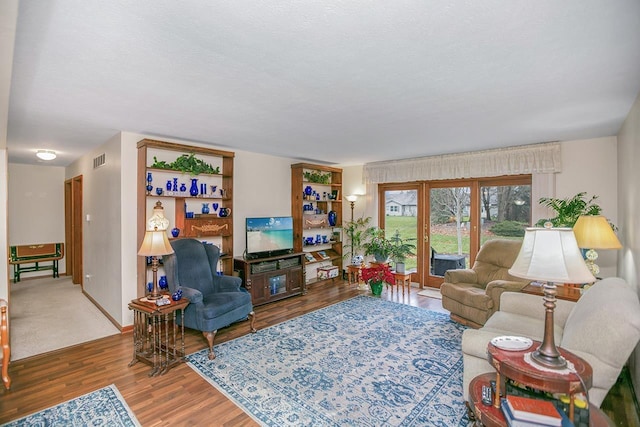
(442, 243)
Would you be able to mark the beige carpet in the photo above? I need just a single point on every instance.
(431, 293)
(48, 314)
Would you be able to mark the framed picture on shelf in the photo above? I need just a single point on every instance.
(335, 194)
(323, 255)
(309, 257)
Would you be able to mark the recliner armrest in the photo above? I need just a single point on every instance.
(227, 283)
(465, 275)
(193, 295)
(496, 288)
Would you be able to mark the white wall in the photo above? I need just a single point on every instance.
(36, 211)
(102, 266)
(628, 212)
(589, 166)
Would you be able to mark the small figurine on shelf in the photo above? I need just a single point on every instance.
(149, 186)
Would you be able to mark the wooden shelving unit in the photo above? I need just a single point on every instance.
(313, 235)
(218, 230)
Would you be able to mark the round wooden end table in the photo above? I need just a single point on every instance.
(490, 416)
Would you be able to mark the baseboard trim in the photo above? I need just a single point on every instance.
(106, 314)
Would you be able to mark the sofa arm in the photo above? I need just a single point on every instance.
(531, 306)
(465, 275)
(193, 295)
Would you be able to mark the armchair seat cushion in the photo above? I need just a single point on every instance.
(217, 305)
(468, 294)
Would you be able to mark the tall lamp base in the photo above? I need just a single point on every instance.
(155, 292)
(547, 354)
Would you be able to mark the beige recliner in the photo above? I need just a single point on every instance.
(472, 295)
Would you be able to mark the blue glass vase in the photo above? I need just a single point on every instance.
(333, 218)
(162, 283)
(205, 208)
(194, 187)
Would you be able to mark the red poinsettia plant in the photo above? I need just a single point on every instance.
(377, 273)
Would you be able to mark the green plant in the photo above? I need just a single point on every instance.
(508, 228)
(358, 233)
(317, 177)
(378, 245)
(569, 210)
(401, 248)
(187, 163)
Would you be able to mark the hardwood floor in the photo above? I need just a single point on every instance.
(181, 396)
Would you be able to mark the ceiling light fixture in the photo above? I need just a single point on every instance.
(46, 154)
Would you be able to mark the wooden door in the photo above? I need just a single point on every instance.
(73, 228)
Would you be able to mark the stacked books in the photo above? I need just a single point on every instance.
(527, 412)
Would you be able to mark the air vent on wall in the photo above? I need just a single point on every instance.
(99, 161)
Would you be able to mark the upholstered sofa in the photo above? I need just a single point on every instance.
(472, 295)
(602, 327)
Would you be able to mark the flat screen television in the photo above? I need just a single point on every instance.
(269, 236)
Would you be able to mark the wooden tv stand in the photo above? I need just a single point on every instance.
(273, 278)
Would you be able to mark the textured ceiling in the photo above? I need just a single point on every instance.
(326, 81)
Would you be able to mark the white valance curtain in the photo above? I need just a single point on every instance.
(528, 159)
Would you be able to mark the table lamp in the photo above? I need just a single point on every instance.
(550, 255)
(155, 244)
(594, 232)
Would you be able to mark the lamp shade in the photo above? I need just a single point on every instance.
(155, 243)
(551, 255)
(594, 232)
(351, 197)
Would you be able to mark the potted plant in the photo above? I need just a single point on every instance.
(400, 249)
(358, 233)
(378, 245)
(376, 275)
(569, 210)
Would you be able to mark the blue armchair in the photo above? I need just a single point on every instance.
(215, 301)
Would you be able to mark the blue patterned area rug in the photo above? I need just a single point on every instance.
(104, 407)
(361, 362)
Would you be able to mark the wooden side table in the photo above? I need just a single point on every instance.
(402, 279)
(511, 364)
(353, 274)
(490, 416)
(566, 292)
(157, 338)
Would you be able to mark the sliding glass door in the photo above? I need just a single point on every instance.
(449, 220)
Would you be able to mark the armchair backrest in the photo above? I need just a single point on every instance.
(494, 260)
(193, 264)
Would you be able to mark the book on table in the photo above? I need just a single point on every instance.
(513, 422)
(529, 410)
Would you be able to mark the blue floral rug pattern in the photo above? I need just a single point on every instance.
(361, 362)
(104, 407)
